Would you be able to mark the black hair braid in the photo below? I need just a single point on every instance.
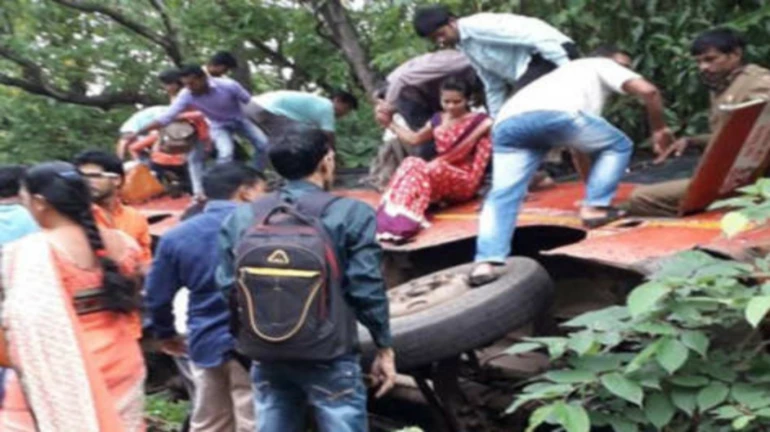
(121, 293)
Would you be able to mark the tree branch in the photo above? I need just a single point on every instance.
(167, 42)
(37, 83)
(104, 101)
(172, 34)
(276, 56)
(345, 37)
(279, 59)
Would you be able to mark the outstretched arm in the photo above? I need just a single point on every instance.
(410, 137)
(653, 102)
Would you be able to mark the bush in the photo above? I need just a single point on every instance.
(684, 354)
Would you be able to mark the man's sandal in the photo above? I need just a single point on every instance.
(477, 279)
(612, 215)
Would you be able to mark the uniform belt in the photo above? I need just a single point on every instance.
(90, 301)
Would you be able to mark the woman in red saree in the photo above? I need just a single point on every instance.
(463, 147)
(67, 295)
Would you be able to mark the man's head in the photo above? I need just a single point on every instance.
(221, 63)
(104, 172)
(171, 81)
(303, 153)
(612, 52)
(194, 78)
(436, 23)
(10, 181)
(344, 103)
(718, 53)
(233, 181)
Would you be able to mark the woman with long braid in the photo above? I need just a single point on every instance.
(68, 297)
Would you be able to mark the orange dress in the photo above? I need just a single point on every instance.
(108, 337)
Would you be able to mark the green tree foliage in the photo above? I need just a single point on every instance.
(90, 63)
(685, 353)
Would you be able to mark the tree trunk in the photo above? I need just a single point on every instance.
(242, 74)
(346, 38)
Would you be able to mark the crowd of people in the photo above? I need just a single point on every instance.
(278, 279)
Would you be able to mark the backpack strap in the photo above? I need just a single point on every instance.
(315, 204)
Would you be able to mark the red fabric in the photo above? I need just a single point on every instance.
(454, 176)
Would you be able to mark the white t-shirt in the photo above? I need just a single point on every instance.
(581, 85)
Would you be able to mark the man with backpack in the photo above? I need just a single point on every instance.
(183, 258)
(304, 266)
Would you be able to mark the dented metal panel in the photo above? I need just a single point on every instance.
(628, 243)
(736, 156)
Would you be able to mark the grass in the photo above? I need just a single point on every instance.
(165, 415)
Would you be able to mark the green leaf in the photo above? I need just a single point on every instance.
(622, 387)
(539, 416)
(570, 376)
(712, 395)
(524, 347)
(757, 309)
(623, 425)
(685, 400)
(598, 363)
(672, 354)
(657, 328)
(548, 389)
(644, 298)
(644, 356)
(574, 418)
(557, 346)
(751, 396)
(727, 412)
(696, 341)
(582, 342)
(659, 410)
(734, 223)
(602, 319)
(742, 422)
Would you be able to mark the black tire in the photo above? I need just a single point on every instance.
(477, 318)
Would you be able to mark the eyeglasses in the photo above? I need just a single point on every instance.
(100, 175)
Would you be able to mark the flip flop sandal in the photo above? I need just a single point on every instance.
(612, 215)
(477, 280)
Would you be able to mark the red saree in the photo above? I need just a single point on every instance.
(454, 176)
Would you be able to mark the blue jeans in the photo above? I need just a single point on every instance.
(333, 390)
(222, 134)
(519, 145)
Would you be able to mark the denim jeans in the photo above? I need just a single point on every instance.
(222, 134)
(519, 145)
(334, 391)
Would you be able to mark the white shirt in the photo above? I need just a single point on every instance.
(581, 85)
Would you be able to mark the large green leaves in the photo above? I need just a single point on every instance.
(712, 395)
(757, 309)
(622, 387)
(671, 354)
(659, 410)
(643, 299)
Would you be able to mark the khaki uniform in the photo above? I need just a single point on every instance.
(663, 199)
